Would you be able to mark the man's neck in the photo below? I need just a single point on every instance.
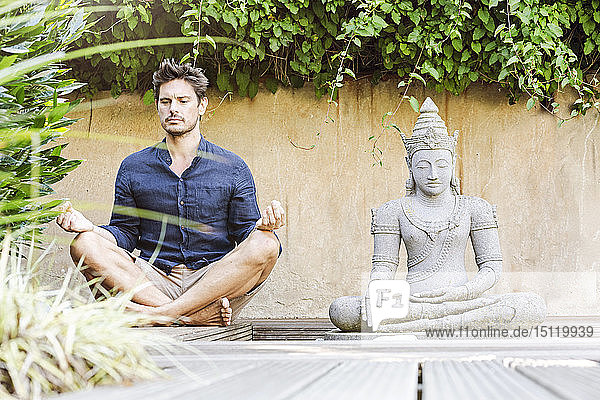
(184, 147)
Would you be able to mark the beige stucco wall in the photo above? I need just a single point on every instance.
(545, 181)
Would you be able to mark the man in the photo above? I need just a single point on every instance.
(190, 207)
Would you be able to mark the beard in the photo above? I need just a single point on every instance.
(176, 132)
(179, 129)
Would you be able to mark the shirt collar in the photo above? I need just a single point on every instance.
(163, 151)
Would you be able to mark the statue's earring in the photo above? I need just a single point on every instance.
(455, 184)
(410, 183)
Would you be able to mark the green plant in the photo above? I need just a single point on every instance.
(53, 341)
(32, 111)
(528, 47)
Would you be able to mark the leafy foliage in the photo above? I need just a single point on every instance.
(530, 46)
(53, 342)
(33, 109)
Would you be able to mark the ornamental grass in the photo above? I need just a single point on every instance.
(55, 341)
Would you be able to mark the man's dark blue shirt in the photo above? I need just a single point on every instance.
(194, 219)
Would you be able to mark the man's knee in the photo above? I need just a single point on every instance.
(265, 247)
(83, 245)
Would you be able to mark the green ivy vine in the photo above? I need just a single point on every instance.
(528, 47)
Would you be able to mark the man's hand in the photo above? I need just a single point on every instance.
(72, 220)
(450, 293)
(273, 217)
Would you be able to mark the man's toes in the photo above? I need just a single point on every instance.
(225, 302)
(226, 312)
(226, 316)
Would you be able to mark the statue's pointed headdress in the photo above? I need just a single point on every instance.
(430, 132)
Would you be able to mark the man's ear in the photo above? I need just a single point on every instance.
(203, 105)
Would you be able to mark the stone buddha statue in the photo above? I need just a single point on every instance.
(435, 223)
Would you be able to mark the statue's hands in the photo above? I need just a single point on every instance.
(72, 220)
(450, 293)
(273, 217)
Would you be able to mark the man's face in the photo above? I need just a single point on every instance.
(178, 107)
(432, 171)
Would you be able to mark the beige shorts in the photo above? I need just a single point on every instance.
(182, 278)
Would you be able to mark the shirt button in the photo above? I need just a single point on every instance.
(180, 179)
(181, 202)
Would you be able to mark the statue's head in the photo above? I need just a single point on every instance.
(431, 145)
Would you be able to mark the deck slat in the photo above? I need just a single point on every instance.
(278, 370)
(475, 380)
(242, 331)
(205, 373)
(290, 329)
(576, 383)
(274, 380)
(354, 380)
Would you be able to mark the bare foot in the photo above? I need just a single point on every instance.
(216, 313)
(158, 319)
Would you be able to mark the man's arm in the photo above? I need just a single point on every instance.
(123, 229)
(72, 220)
(244, 215)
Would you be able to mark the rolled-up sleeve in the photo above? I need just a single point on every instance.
(243, 209)
(124, 221)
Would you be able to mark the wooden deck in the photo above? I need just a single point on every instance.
(557, 368)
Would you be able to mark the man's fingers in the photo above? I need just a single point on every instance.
(64, 222)
(270, 215)
(68, 221)
(279, 213)
(277, 210)
(64, 207)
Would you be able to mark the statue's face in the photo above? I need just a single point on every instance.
(432, 171)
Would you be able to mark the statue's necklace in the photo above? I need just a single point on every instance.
(431, 228)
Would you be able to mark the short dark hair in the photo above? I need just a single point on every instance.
(169, 69)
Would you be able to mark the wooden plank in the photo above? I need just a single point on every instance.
(261, 368)
(204, 374)
(238, 331)
(354, 380)
(400, 350)
(290, 329)
(275, 380)
(246, 380)
(476, 380)
(569, 382)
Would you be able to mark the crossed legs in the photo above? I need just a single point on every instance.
(207, 301)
